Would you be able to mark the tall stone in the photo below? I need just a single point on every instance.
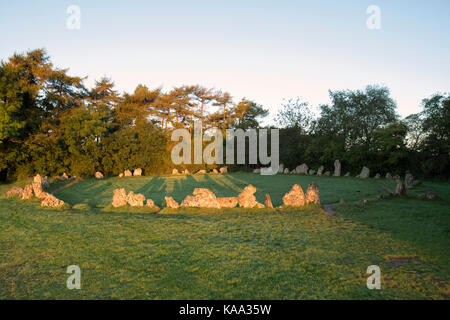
(281, 168)
(312, 194)
(119, 198)
(127, 173)
(320, 170)
(27, 192)
(400, 188)
(409, 180)
(337, 168)
(295, 197)
(268, 201)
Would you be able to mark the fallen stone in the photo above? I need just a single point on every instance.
(228, 202)
(428, 196)
(312, 194)
(51, 201)
(203, 198)
(137, 172)
(119, 198)
(295, 197)
(171, 203)
(14, 192)
(246, 198)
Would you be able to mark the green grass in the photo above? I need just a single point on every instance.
(226, 254)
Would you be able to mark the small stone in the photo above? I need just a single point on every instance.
(347, 174)
(312, 194)
(119, 198)
(37, 189)
(137, 172)
(224, 170)
(215, 171)
(120, 175)
(27, 192)
(135, 200)
(268, 201)
(428, 196)
(388, 176)
(320, 170)
(128, 173)
(186, 171)
(171, 203)
(302, 169)
(343, 201)
(257, 171)
(150, 203)
(311, 172)
(286, 171)
(98, 175)
(51, 201)
(203, 171)
(377, 176)
(14, 192)
(281, 168)
(365, 173)
(327, 173)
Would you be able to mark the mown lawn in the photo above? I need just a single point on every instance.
(230, 254)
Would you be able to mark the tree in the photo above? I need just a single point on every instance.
(295, 113)
(248, 113)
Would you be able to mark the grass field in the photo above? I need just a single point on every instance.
(229, 254)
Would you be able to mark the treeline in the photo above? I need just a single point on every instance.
(51, 123)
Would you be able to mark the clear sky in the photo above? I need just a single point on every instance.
(262, 50)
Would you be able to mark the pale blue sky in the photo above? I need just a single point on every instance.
(263, 50)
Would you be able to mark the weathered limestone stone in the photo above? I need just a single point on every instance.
(186, 171)
(215, 171)
(365, 173)
(37, 189)
(312, 194)
(377, 176)
(128, 173)
(295, 197)
(281, 168)
(246, 199)
(268, 201)
(203, 198)
(135, 200)
(64, 177)
(337, 168)
(311, 172)
(14, 192)
(400, 188)
(171, 203)
(120, 175)
(302, 169)
(320, 170)
(137, 172)
(51, 201)
(27, 192)
(409, 179)
(203, 171)
(286, 171)
(224, 170)
(347, 174)
(293, 172)
(428, 196)
(228, 202)
(257, 171)
(119, 197)
(327, 173)
(150, 203)
(98, 175)
(388, 176)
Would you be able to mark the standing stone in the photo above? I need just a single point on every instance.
(137, 172)
(365, 173)
(246, 199)
(409, 180)
(127, 173)
(286, 171)
(268, 201)
(119, 198)
(150, 203)
(27, 192)
(312, 194)
(171, 203)
(98, 175)
(377, 176)
(320, 170)
(120, 175)
(14, 192)
(388, 176)
(257, 171)
(42, 180)
(295, 197)
(281, 168)
(186, 171)
(400, 188)
(228, 202)
(428, 196)
(203, 198)
(311, 172)
(37, 189)
(347, 174)
(202, 171)
(215, 170)
(224, 170)
(293, 171)
(302, 169)
(337, 168)
(327, 173)
(135, 200)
